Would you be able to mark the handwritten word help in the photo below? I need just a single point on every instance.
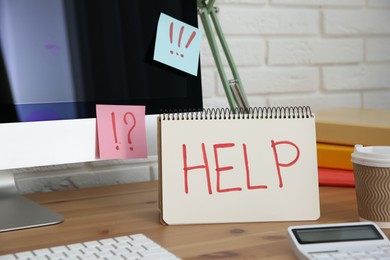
(204, 167)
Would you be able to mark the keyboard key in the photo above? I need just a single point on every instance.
(8, 257)
(108, 241)
(25, 255)
(59, 249)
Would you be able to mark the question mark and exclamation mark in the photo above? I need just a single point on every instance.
(192, 36)
(132, 122)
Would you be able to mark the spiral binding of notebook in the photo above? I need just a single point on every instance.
(239, 113)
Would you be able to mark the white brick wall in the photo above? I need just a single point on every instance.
(322, 53)
(314, 51)
(255, 19)
(378, 49)
(356, 22)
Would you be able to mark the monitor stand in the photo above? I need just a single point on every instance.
(36, 144)
(18, 212)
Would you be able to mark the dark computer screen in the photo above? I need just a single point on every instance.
(59, 58)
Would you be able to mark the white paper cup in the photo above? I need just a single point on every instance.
(371, 167)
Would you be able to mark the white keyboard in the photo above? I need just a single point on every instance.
(136, 246)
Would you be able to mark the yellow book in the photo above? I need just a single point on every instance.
(350, 126)
(334, 156)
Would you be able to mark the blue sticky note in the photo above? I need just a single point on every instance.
(177, 44)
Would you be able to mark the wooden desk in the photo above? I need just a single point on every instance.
(104, 212)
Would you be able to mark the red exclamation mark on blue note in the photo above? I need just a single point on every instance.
(192, 36)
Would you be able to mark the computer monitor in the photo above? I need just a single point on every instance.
(58, 59)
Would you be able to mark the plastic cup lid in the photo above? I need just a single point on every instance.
(376, 156)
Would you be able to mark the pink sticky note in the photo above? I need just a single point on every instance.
(121, 131)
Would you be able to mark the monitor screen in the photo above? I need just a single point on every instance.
(59, 58)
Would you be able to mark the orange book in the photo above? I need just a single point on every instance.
(334, 156)
(350, 126)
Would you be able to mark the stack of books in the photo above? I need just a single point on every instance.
(338, 130)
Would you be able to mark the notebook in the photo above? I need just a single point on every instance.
(223, 165)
